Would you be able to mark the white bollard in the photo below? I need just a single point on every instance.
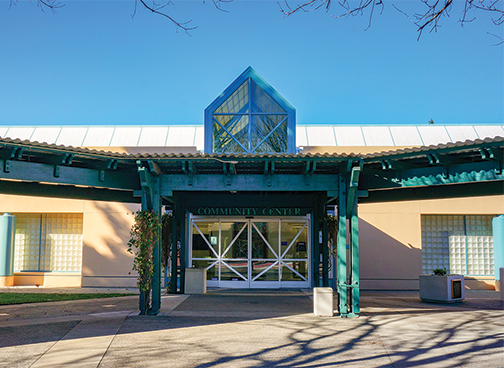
(323, 304)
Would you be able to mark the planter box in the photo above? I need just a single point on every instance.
(444, 289)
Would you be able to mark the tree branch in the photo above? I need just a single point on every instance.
(155, 8)
(429, 18)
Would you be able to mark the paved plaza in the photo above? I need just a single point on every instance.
(253, 328)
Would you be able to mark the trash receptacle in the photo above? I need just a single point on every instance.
(323, 304)
(195, 280)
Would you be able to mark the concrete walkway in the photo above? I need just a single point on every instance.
(255, 328)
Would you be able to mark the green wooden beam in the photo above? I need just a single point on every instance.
(242, 182)
(37, 172)
(433, 175)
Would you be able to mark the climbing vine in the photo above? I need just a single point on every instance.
(166, 247)
(332, 228)
(144, 234)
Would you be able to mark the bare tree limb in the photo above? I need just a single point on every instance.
(429, 18)
(42, 4)
(156, 9)
(500, 38)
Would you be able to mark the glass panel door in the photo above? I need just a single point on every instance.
(252, 253)
(264, 247)
(205, 249)
(294, 253)
(234, 260)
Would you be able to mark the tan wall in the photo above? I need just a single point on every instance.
(105, 260)
(390, 238)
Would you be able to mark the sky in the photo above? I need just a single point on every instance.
(93, 63)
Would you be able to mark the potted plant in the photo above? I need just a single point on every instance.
(441, 287)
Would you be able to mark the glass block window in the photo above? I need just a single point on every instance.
(461, 244)
(48, 242)
(250, 117)
(27, 242)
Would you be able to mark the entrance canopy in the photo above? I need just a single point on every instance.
(277, 181)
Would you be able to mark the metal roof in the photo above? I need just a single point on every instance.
(309, 135)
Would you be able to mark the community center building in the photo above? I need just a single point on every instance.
(250, 190)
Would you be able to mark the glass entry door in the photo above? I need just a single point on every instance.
(252, 253)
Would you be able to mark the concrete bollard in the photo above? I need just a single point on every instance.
(323, 305)
(195, 280)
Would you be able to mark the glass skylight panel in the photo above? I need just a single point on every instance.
(490, 131)
(125, 137)
(320, 136)
(181, 136)
(23, 133)
(45, 134)
(263, 102)
(377, 136)
(269, 133)
(433, 135)
(3, 130)
(461, 133)
(275, 142)
(349, 136)
(72, 136)
(248, 119)
(153, 137)
(98, 136)
(238, 126)
(227, 144)
(406, 136)
(235, 103)
(301, 136)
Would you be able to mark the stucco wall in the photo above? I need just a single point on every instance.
(390, 238)
(105, 260)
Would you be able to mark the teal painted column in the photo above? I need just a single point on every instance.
(150, 183)
(325, 248)
(354, 221)
(342, 248)
(183, 242)
(316, 248)
(173, 255)
(498, 243)
(156, 256)
(7, 233)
